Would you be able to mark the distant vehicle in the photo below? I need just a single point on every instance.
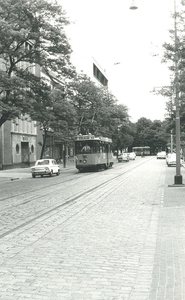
(93, 152)
(145, 150)
(123, 157)
(171, 159)
(132, 155)
(45, 167)
(161, 155)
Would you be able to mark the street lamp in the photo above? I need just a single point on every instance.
(178, 176)
(133, 5)
(171, 141)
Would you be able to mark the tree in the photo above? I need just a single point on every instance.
(86, 98)
(150, 133)
(54, 113)
(174, 57)
(32, 38)
(98, 111)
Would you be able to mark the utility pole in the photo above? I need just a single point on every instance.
(178, 176)
(171, 141)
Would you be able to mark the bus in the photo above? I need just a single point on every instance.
(93, 152)
(139, 150)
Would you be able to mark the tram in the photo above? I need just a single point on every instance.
(139, 150)
(93, 152)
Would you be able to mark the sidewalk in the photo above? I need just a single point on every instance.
(168, 277)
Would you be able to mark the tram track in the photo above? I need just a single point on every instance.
(37, 189)
(53, 208)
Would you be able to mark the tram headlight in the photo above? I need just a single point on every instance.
(84, 161)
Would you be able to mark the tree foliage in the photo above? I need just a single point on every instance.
(150, 133)
(34, 51)
(32, 40)
(54, 113)
(174, 57)
(97, 109)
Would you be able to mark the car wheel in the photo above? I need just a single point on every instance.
(58, 173)
(51, 174)
(33, 176)
(41, 175)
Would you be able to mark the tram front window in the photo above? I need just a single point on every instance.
(86, 147)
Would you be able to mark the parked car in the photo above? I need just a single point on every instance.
(171, 159)
(132, 155)
(45, 167)
(123, 157)
(161, 155)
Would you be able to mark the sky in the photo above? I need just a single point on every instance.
(127, 44)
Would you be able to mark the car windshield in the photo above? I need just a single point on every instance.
(42, 162)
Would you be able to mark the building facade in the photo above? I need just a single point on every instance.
(89, 66)
(21, 139)
(20, 143)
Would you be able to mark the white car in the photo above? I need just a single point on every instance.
(171, 159)
(45, 167)
(132, 155)
(161, 155)
(123, 157)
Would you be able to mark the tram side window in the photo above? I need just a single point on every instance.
(109, 148)
(102, 147)
(96, 147)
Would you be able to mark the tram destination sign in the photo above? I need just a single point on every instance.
(85, 137)
(81, 137)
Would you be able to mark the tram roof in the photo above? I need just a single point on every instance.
(89, 137)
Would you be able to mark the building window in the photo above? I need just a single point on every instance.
(17, 149)
(99, 76)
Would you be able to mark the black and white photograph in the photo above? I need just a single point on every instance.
(92, 150)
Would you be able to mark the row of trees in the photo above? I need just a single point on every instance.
(37, 78)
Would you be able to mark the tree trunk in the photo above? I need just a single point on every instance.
(64, 156)
(44, 143)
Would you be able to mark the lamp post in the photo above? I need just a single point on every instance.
(133, 5)
(171, 144)
(178, 176)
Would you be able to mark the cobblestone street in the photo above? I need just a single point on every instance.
(123, 241)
